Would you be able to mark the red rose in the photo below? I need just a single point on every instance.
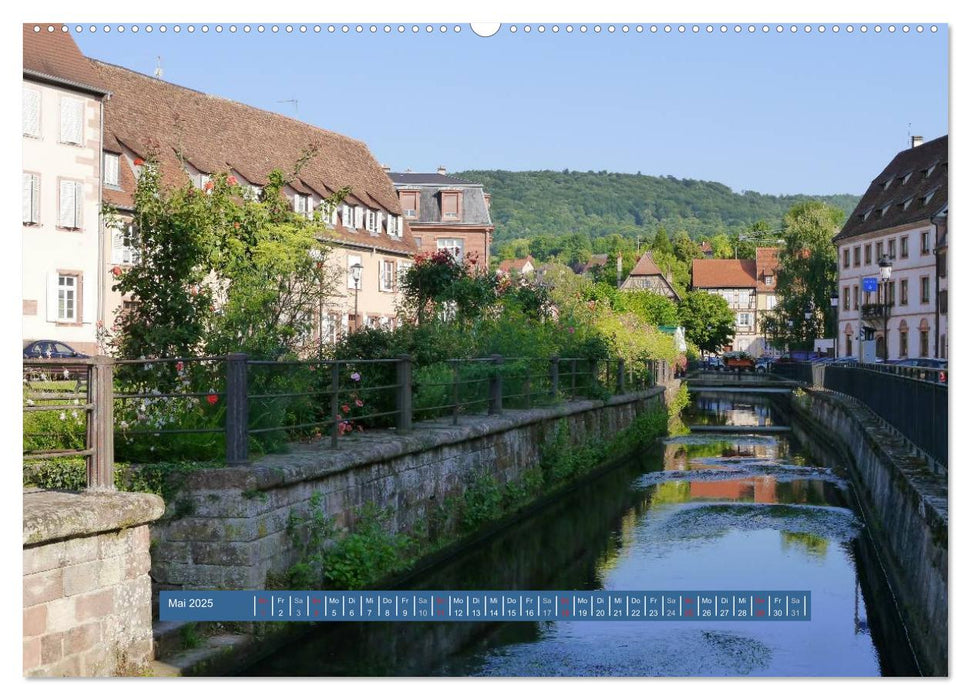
(116, 270)
(207, 186)
(179, 366)
(212, 399)
(139, 161)
(231, 180)
(236, 224)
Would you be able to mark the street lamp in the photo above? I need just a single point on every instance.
(356, 276)
(810, 326)
(886, 268)
(318, 256)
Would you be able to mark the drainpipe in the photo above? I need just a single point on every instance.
(937, 288)
(102, 263)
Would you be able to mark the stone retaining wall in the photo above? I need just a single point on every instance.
(232, 529)
(87, 592)
(905, 506)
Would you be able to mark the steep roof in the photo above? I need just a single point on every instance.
(50, 54)
(766, 262)
(516, 265)
(646, 267)
(147, 116)
(717, 273)
(428, 179)
(910, 189)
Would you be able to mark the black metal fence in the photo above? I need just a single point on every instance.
(915, 406)
(220, 406)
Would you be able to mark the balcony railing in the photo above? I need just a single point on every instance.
(876, 310)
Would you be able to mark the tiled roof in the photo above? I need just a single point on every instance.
(766, 262)
(911, 189)
(54, 55)
(516, 265)
(147, 116)
(646, 267)
(428, 179)
(714, 274)
(596, 260)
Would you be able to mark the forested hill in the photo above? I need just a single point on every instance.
(557, 203)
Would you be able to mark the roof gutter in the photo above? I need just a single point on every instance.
(55, 80)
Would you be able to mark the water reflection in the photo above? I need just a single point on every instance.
(727, 511)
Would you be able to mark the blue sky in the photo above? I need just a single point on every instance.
(777, 113)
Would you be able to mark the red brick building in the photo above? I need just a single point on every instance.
(445, 212)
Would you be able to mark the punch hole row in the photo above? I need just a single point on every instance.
(511, 29)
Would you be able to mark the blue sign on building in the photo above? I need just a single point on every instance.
(869, 284)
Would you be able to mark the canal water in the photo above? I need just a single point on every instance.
(737, 509)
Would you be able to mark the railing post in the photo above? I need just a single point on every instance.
(404, 394)
(495, 386)
(101, 425)
(621, 377)
(573, 379)
(237, 410)
(554, 377)
(455, 392)
(335, 382)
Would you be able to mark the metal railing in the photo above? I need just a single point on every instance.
(229, 401)
(915, 406)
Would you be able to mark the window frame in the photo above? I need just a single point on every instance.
(34, 219)
(78, 204)
(116, 185)
(868, 254)
(40, 111)
(386, 282)
(904, 291)
(66, 99)
(75, 319)
(904, 247)
(925, 289)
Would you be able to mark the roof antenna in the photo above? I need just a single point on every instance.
(909, 141)
(296, 110)
(158, 67)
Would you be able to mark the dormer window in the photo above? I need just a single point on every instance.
(905, 178)
(865, 215)
(409, 204)
(347, 216)
(930, 195)
(451, 206)
(328, 213)
(889, 181)
(301, 205)
(906, 203)
(374, 221)
(394, 226)
(769, 280)
(111, 169)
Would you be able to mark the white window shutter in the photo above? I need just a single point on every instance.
(31, 112)
(28, 198)
(117, 245)
(111, 169)
(72, 112)
(66, 207)
(89, 301)
(78, 203)
(358, 217)
(52, 297)
(377, 222)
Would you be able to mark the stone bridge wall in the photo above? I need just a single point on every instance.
(87, 593)
(233, 526)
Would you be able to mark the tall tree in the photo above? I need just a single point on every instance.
(707, 319)
(661, 242)
(807, 273)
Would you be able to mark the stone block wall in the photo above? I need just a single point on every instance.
(87, 593)
(232, 529)
(906, 509)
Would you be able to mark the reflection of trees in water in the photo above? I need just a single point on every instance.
(721, 409)
(815, 545)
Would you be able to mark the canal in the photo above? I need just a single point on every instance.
(744, 507)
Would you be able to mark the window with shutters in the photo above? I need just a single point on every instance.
(328, 213)
(892, 249)
(925, 242)
(347, 215)
(111, 170)
(394, 226)
(867, 254)
(67, 298)
(69, 204)
(31, 113)
(72, 121)
(301, 205)
(904, 291)
(386, 283)
(124, 245)
(451, 206)
(31, 198)
(925, 290)
(358, 217)
(904, 247)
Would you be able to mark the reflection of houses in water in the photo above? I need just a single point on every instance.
(730, 409)
(758, 489)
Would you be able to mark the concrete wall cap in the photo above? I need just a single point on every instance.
(58, 515)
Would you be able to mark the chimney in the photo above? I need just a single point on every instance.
(916, 141)
(386, 168)
(619, 268)
(441, 170)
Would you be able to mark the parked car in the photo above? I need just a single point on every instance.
(764, 364)
(714, 363)
(739, 361)
(936, 368)
(53, 350)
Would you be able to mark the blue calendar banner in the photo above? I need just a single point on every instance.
(479, 606)
(869, 284)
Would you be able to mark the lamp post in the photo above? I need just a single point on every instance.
(886, 268)
(834, 302)
(318, 257)
(810, 326)
(356, 276)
